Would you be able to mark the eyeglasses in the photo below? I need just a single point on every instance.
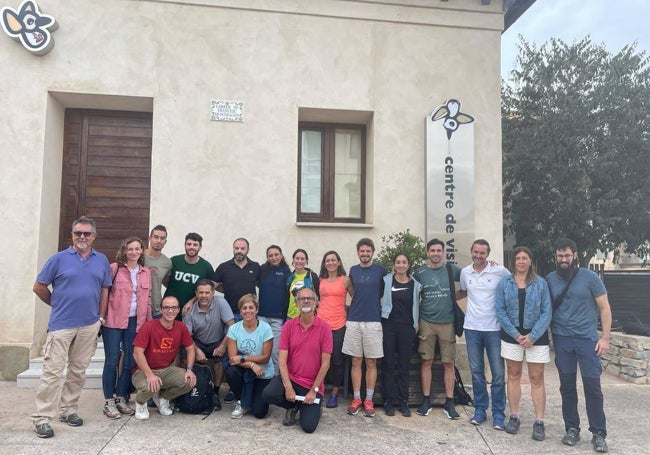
(564, 256)
(82, 233)
(169, 308)
(305, 299)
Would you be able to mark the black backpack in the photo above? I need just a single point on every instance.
(461, 396)
(198, 400)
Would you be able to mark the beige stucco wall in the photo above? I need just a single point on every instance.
(396, 60)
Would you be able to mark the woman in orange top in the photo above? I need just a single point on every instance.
(334, 287)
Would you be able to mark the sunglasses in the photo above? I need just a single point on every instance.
(82, 233)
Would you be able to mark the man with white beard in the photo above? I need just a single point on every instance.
(305, 351)
(80, 278)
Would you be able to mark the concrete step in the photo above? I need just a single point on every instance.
(30, 378)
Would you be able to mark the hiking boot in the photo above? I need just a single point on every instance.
(425, 407)
(369, 408)
(239, 411)
(229, 398)
(73, 420)
(332, 401)
(478, 418)
(354, 407)
(512, 427)
(141, 411)
(122, 405)
(599, 443)
(539, 434)
(110, 410)
(389, 409)
(43, 430)
(499, 422)
(450, 410)
(571, 437)
(404, 408)
(290, 417)
(163, 405)
(216, 402)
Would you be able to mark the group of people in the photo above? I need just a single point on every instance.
(280, 335)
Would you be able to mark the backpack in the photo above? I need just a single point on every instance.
(461, 396)
(198, 400)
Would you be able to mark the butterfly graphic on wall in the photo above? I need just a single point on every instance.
(453, 118)
(29, 26)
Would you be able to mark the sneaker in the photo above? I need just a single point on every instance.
(229, 398)
(450, 410)
(499, 422)
(123, 406)
(369, 408)
(599, 443)
(539, 434)
(404, 408)
(239, 411)
(332, 401)
(289, 417)
(141, 411)
(216, 402)
(571, 437)
(478, 418)
(43, 430)
(425, 407)
(354, 407)
(110, 410)
(73, 420)
(389, 409)
(512, 427)
(163, 405)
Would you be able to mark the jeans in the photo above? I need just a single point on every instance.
(478, 343)
(276, 327)
(114, 339)
(235, 375)
(569, 353)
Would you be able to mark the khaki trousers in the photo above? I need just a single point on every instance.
(69, 349)
(173, 384)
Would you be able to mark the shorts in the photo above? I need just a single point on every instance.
(429, 333)
(534, 354)
(363, 339)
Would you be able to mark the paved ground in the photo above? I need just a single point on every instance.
(626, 408)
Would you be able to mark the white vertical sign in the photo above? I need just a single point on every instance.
(450, 180)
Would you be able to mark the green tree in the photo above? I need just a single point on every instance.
(575, 148)
(404, 242)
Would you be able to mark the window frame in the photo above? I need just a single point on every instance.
(328, 152)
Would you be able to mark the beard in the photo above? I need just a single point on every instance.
(566, 272)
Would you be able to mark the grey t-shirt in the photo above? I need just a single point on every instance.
(208, 326)
(159, 267)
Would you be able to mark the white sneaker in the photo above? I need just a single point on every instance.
(239, 411)
(163, 405)
(141, 411)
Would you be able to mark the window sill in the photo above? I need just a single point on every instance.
(334, 225)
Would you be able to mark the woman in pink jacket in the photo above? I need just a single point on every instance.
(129, 306)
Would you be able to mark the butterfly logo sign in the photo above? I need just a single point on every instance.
(30, 27)
(453, 118)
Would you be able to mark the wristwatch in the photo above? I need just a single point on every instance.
(316, 389)
(190, 368)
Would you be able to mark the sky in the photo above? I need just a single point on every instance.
(615, 23)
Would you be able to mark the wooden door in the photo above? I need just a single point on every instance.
(106, 175)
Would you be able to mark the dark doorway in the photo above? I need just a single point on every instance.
(106, 175)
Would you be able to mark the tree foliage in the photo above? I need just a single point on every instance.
(575, 148)
(401, 242)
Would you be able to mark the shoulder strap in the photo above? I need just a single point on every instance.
(560, 298)
(452, 283)
(117, 269)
